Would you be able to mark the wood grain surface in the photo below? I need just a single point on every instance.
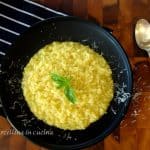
(120, 16)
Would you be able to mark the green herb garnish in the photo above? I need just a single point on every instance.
(63, 82)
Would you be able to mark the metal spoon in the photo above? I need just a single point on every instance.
(142, 35)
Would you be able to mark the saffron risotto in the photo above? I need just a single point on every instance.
(89, 74)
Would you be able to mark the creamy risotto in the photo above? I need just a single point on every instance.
(88, 74)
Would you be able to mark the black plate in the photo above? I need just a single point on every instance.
(64, 29)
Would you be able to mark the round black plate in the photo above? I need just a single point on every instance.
(64, 29)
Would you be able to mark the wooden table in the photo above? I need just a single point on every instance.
(120, 16)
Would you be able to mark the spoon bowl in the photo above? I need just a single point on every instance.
(142, 35)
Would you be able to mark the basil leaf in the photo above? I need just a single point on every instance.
(57, 78)
(70, 94)
(63, 82)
